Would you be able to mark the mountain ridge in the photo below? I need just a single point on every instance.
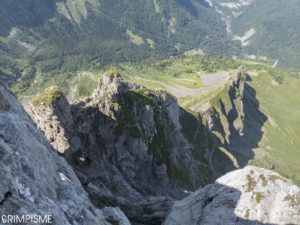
(70, 204)
(123, 126)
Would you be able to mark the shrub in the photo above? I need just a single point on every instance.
(110, 73)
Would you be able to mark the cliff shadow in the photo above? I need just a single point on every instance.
(231, 140)
(82, 137)
(225, 209)
(241, 143)
(215, 204)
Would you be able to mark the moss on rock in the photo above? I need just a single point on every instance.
(259, 197)
(110, 73)
(247, 214)
(47, 97)
(251, 183)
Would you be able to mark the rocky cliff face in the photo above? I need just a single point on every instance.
(126, 144)
(143, 143)
(233, 118)
(137, 149)
(248, 196)
(226, 112)
(35, 180)
(97, 166)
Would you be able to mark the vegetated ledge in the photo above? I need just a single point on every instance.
(47, 97)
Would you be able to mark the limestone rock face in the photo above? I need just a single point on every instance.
(56, 120)
(138, 149)
(129, 133)
(247, 196)
(129, 144)
(35, 180)
(228, 104)
(233, 116)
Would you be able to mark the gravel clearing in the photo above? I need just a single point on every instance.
(213, 78)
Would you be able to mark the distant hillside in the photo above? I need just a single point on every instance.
(43, 41)
(265, 29)
(55, 38)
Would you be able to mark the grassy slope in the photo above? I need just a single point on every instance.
(281, 140)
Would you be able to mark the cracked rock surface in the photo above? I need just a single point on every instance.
(35, 180)
(247, 196)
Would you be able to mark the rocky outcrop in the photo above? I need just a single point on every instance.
(57, 120)
(248, 196)
(137, 149)
(125, 141)
(35, 180)
(224, 110)
(233, 117)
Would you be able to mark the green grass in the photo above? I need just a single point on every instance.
(150, 42)
(156, 5)
(152, 74)
(264, 180)
(281, 104)
(47, 97)
(110, 73)
(140, 95)
(190, 82)
(85, 87)
(265, 183)
(134, 38)
(230, 156)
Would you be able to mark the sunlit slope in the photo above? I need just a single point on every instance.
(280, 145)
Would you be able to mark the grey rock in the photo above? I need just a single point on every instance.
(57, 121)
(34, 179)
(129, 144)
(152, 210)
(247, 196)
(129, 133)
(135, 148)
